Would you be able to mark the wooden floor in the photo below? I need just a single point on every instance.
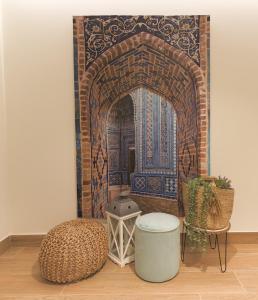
(199, 278)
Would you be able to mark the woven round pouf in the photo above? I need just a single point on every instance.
(73, 250)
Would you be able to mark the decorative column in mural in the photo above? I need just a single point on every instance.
(155, 126)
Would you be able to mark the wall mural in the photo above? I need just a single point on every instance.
(146, 58)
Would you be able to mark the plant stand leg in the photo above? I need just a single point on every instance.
(183, 242)
(223, 269)
(214, 244)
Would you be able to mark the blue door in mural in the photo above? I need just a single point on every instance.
(142, 124)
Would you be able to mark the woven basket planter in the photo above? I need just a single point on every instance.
(73, 250)
(225, 199)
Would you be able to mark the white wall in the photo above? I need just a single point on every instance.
(4, 211)
(40, 113)
(40, 102)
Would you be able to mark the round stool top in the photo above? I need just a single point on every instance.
(157, 222)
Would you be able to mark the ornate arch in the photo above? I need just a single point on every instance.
(145, 60)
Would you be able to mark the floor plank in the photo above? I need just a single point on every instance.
(244, 296)
(248, 279)
(109, 297)
(199, 278)
(128, 283)
(210, 262)
(22, 285)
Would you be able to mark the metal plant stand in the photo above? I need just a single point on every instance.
(213, 241)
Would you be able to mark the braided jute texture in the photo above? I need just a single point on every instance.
(73, 250)
(225, 198)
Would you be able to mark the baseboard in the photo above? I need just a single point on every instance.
(243, 237)
(34, 240)
(5, 244)
(26, 240)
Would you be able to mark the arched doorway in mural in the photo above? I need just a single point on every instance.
(120, 146)
(141, 147)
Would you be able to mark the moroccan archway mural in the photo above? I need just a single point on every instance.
(114, 56)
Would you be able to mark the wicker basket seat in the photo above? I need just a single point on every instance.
(73, 250)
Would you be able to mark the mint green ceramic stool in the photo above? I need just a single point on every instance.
(157, 247)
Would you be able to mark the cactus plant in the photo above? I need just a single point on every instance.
(223, 183)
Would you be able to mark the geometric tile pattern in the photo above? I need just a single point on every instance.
(102, 32)
(164, 133)
(155, 122)
(113, 162)
(170, 185)
(147, 119)
(139, 183)
(115, 178)
(118, 178)
(155, 185)
(155, 138)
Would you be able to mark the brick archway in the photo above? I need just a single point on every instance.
(141, 60)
